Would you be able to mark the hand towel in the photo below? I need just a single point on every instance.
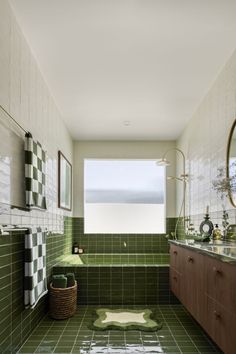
(35, 167)
(35, 279)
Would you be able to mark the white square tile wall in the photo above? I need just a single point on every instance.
(204, 142)
(25, 95)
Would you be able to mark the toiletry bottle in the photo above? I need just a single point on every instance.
(216, 234)
(75, 248)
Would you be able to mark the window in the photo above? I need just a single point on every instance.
(124, 196)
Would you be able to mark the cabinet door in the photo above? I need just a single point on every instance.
(175, 255)
(220, 325)
(221, 283)
(175, 283)
(193, 284)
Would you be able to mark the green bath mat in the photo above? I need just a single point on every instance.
(125, 319)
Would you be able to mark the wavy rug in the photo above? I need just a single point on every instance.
(125, 319)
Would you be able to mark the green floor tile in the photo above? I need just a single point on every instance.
(27, 350)
(180, 334)
(62, 350)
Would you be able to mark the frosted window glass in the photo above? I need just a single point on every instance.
(124, 196)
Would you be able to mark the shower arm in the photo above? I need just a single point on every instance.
(184, 159)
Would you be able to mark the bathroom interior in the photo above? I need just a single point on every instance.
(117, 176)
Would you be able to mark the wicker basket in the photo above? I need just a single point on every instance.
(62, 302)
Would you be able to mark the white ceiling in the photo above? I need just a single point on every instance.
(149, 62)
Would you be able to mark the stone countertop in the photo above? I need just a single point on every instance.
(224, 251)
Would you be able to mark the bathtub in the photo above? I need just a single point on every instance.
(119, 278)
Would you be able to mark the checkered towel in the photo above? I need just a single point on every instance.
(35, 280)
(35, 161)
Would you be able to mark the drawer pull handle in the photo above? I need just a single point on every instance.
(175, 252)
(217, 271)
(190, 259)
(217, 315)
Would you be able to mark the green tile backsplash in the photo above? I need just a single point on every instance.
(16, 323)
(122, 243)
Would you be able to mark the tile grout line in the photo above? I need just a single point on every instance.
(177, 345)
(32, 332)
(79, 328)
(186, 331)
(44, 336)
(60, 336)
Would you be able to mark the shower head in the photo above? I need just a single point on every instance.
(163, 162)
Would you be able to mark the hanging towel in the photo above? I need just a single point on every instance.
(35, 280)
(35, 165)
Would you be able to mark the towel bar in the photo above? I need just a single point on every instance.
(5, 231)
(52, 232)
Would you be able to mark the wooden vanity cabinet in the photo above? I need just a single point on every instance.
(220, 324)
(175, 258)
(185, 265)
(221, 282)
(194, 295)
(220, 293)
(207, 288)
(175, 281)
(176, 268)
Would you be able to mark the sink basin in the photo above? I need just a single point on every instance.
(222, 246)
(222, 250)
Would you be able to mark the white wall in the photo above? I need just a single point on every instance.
(25, 95)
(204, 142)
(120, 150)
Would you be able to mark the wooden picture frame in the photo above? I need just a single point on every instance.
(64, 183)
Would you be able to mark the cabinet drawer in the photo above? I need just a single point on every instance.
(220, 325)
(221, 283)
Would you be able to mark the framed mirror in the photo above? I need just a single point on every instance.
(64, 182)
(231, 162)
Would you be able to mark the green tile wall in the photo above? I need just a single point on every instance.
(121, 284)
(16, 323)
(114, 243)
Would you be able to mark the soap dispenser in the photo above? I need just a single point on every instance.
(216, 234)
(75, 248)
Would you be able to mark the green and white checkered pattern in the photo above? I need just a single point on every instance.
(35, 166)
(35, 279)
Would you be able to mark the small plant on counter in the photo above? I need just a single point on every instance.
(223, 184)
